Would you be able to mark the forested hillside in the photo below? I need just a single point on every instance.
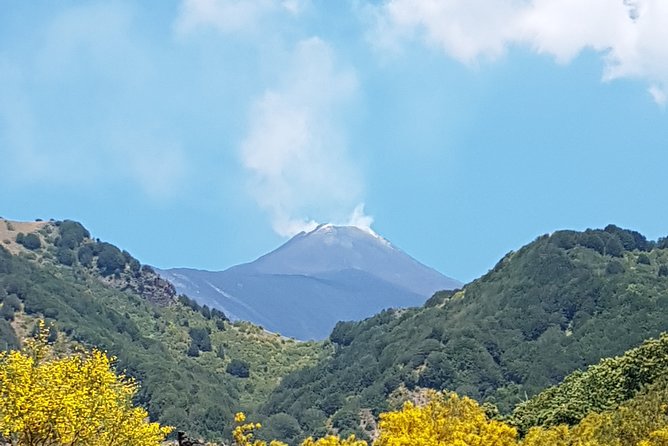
(194, 367)
(557, 305)
(602, 387)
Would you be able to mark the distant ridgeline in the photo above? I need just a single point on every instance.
(557, 305)
(195, 368)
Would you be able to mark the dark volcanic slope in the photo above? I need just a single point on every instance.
(315, 280)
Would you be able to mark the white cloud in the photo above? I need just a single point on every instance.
(630, 35)
(658, 95)
(232, 15)
(295, 149)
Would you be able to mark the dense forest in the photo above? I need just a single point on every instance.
(522, 341)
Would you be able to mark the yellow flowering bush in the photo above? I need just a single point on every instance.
(656, 438)
(72, 401)
(334, 441)
(243, 433)
(445, 420)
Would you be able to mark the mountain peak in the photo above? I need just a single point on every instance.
(332, 248)
(345, 230)
(315, 279)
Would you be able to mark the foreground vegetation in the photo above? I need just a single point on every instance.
(73, 400)
(78, 399)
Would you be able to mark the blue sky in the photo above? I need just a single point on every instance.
(203, 133)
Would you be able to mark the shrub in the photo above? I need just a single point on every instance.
(193, 351)
(72, 233)
(29, 241)
(98, 403)
(590, 239)
(13, 301)
(216, 313)
(65, 256)
(7, 312)
(110, 260)
(613, 247)
(8, 338)
(643, 259)
(238, 368)
(85, 255)
(200, 338)
(614, 267)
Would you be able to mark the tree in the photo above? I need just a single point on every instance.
(7, 312)
(200, 338)
(72, 233)
(72, 400)
(85, 255)
(284, 426)
(644, 259)
(614, 267)
(590, 239)
(8, 338)
(613, 247)
(65, 256)
(110, 259)
(193, 350)
(238, 368)
(663, 271)
(13, 301)
(30, 241)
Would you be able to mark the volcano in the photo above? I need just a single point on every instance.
(317, 278)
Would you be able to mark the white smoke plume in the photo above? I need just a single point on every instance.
(295, 150)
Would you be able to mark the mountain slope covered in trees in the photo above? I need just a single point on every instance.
(195, 368)
(557, 305)
(603, 386)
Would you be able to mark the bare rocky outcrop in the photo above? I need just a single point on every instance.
(147, 284)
